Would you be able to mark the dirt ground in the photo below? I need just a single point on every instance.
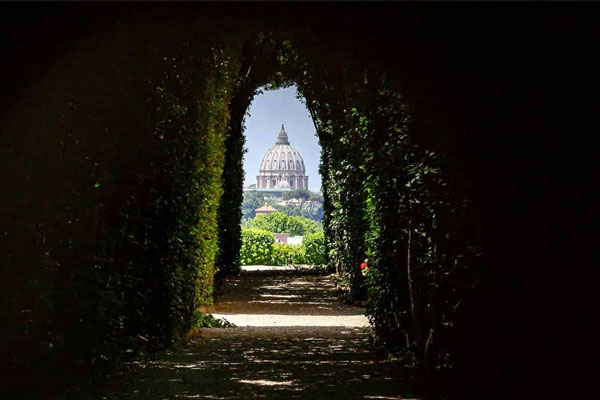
(293, 340)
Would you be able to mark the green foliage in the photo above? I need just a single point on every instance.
(315, 214)
(314, 248)
(281, 223)
(342, 179)
(253, 200)
(257, 247)
(389, 201)
(192, 119)
(202, 320)
(287, 254)
(231, 207)
(151, 259)
(297, 194)
(432, 254)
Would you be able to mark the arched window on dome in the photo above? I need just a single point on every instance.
(298, 165)
(282, 164)
(290, 164)
(274, 164)
(303, 164)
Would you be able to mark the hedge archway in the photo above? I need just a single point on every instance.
(124, 155)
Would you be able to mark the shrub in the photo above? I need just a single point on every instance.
(257, 246)
(281, 223)
(314, 248)
(286, 254)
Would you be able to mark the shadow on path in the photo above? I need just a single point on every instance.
(293, 340)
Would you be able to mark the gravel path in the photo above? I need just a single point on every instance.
(293, 340)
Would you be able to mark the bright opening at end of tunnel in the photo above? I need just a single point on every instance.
(280, 132)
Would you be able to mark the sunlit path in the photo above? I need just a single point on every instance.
(294, 339)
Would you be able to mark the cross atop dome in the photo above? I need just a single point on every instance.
(282, 137)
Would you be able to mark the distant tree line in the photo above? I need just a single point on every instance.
(253, 200)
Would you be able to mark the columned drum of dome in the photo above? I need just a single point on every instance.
(282, 167)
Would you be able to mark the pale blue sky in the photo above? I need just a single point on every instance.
(267, 112)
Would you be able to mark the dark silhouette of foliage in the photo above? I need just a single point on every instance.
(230, 212)
(450, 143)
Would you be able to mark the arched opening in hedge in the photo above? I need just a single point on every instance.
(164, 195)
(281, 176)
(139, 125)
(397, 229)
(163, 188)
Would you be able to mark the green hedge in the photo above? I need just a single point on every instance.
(179, 240)
(391, 203)
(287, 254)
(129, 233)
(314, 248)
(281, 223)
(230, 208)
(257, 247)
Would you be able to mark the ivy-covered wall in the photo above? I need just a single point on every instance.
(117, 158)
(399, 230)
(192, 119)
(257, 55)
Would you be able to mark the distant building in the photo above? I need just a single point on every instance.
(281, 237)
(287, 239)
(295, 240)
(282, 167)
(264, 210)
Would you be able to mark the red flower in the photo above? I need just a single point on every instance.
(363, 266)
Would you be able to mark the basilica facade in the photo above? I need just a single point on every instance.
(282, 167)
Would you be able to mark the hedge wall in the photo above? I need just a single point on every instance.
(286, 254)
(123, 231)
(314, 249)
(389, 203)
(257, 247)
